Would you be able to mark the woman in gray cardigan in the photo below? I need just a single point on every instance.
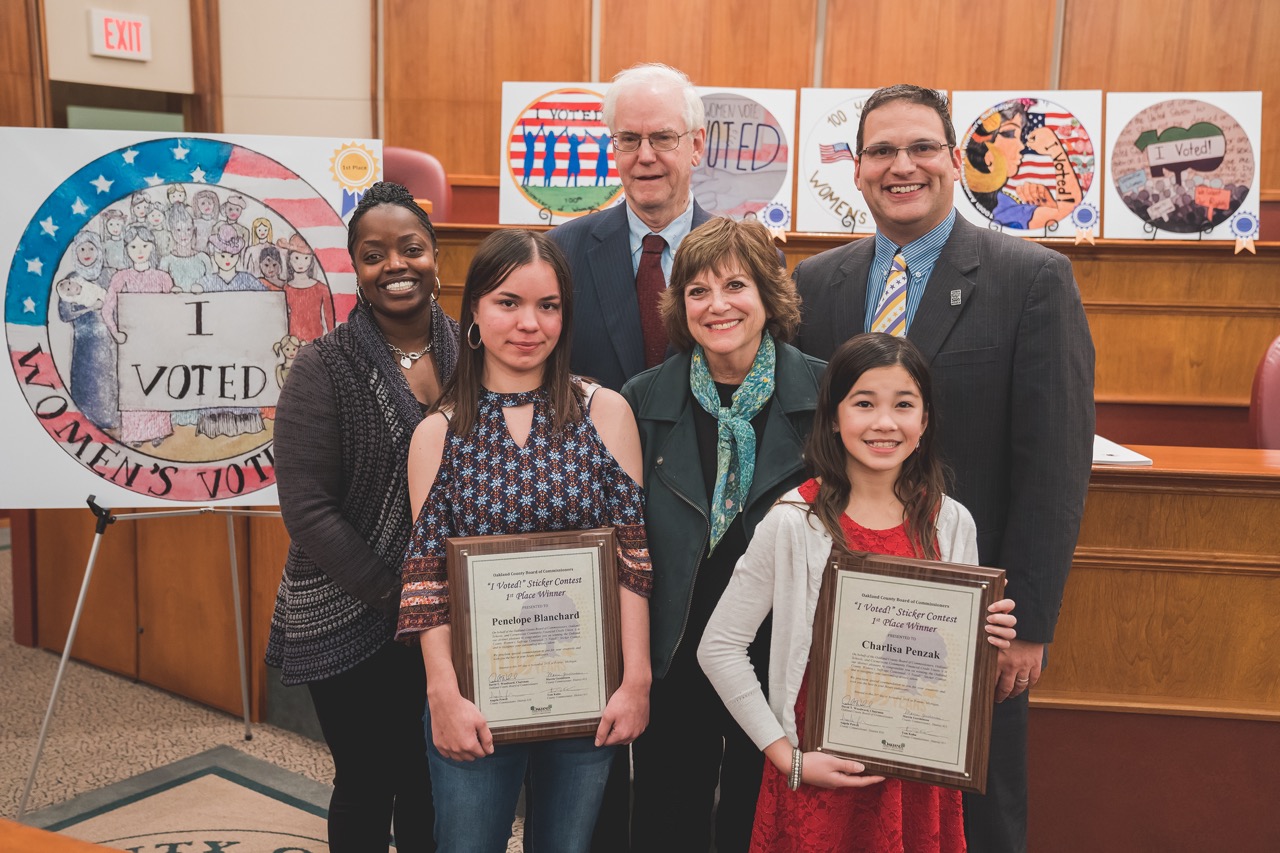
(343, 424)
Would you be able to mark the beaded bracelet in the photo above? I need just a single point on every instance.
(797, 766)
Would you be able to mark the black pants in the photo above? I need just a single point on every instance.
(371, 716)
(996, 822)
(692, 745)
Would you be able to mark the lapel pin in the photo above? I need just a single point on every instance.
(955, 297)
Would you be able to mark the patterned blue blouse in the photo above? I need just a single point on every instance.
(487, 484)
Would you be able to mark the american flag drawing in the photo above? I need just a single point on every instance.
(1037, 168)
(835, 152)
(174, 160)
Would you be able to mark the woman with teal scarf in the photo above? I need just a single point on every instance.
(722, 423)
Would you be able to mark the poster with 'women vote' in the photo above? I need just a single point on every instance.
(157, 291)
(746, 170)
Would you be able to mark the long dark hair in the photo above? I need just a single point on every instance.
(497, 256)
(921, 482)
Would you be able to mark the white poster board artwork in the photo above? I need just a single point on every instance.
(746, 168)
(1183, 165)
(158, 288)
(556, 161)
(1029, 160)
(827, 200)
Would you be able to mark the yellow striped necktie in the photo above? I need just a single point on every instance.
(891, 314)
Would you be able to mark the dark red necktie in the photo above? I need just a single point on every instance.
(650, 283)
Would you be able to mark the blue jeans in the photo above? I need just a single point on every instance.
(475, 801)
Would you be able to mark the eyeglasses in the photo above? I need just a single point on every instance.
(663, 140)
(919, 152)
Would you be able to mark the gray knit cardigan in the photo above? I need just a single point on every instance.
(343, 426)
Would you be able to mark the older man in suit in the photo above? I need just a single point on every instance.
(1001, 323)
(621, 257)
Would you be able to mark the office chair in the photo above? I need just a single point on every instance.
(422, 174)
(1264, 401)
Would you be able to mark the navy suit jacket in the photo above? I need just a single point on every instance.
(1012, 360)
(608, 345)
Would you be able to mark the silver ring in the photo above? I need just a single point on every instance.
(1022, 681)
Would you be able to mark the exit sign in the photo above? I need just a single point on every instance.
(120, 35)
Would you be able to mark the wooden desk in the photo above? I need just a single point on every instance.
(1172, 600)
(1156, 720)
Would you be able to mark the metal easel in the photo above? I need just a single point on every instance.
(105, 518)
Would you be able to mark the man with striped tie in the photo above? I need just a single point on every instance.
(1001, 322)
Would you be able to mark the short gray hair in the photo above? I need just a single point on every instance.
(657, 76)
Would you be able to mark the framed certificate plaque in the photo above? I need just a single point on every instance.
(536, 635)
(902, 678)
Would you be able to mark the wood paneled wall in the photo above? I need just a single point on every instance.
(23, 98)
(444, 62)
(767, 45)
(1180, 45)
(942, 43)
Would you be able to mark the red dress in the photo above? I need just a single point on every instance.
(891, 817)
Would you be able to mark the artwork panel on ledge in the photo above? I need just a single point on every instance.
(827, 201)
(556, 162)
(746, 169)
(1183, 165)
(1029, 160)
(158, 288)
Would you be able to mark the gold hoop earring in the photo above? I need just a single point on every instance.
(476, 344)
(435, 294)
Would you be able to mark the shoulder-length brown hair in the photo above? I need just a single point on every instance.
(921, 481)
(497, 256)
(716, 245)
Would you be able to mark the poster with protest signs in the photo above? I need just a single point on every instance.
(157, 290)
(1183, 166)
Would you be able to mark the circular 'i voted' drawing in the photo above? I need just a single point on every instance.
(1183, 165)
(744, 164)
(558, 154)
(155, 305)
(1027, 163)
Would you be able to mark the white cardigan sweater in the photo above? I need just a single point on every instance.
(787, 555)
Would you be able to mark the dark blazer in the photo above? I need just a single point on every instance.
(1011, 357)
(677, 510)
(607, 342)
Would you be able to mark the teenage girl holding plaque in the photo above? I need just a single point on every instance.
(517, 445)
(878, 488)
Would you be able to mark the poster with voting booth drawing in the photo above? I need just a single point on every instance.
(827, 199)
(1183, 165)
(556, 160)
(1029, 160)
(746, 169)
(158, 288)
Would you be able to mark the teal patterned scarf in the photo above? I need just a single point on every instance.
(735, 439)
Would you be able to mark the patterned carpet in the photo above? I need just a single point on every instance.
(107, 728)
(218, 799)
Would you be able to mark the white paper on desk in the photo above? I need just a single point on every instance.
(1107, 452)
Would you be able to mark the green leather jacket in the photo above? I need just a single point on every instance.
(676, 505)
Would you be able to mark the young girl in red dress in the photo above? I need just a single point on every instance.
(878, 488)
